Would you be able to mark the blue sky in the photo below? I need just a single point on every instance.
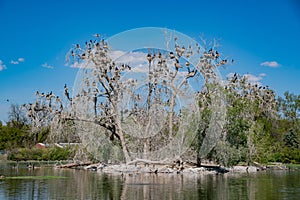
(261, 35)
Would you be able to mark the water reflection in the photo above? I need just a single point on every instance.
(81, 184)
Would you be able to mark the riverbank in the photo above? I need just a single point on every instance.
(185, 168)
(137, 168)
(167, 169)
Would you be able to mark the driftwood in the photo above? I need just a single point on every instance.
(74, 165)
(160, 162)
(260, 166)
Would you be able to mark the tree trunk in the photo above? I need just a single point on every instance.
(171, 114)
(123, 143)
(146, 148)
(198, 160)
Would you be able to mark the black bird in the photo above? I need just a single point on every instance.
(149, 57)
(177, 65)
(217, 55)
(172, 56)
(67, 91)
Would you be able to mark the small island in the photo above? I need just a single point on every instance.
(168, 112)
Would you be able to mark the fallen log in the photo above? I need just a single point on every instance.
(74, 165)
(160, 162)
(260, 166)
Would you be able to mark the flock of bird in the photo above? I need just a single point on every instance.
(108, 73)
(248, 92)
(102, 85)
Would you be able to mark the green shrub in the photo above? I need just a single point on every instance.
(53, 153)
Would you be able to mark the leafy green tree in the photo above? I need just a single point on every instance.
(291, 140)
(13, 137)
(249, 106)
(289, 107)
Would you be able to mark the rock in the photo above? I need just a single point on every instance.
(165, 170)
(247, 169)
(121, 168)
(189, 170)
(146, 170)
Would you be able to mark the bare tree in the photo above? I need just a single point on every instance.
(141, 116)
(16, 116)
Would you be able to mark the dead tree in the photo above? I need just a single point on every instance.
(110, 99)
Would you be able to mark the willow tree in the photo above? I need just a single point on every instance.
(250, 108)
(150, 112)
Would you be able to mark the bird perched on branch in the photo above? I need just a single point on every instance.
(97, 35)
(172, 56)
(177, 65)
(149, 57)
(217, 55)
(67, 92)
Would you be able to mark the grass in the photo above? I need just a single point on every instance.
(293, 166)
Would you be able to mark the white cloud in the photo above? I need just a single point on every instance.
(47, 66)
(21, 59)
(116, 54)
(262, 74)
(75, 65)
(272, 64)
(2, 65)
(137, 60)
(254, 79)
(79, 65)
(133, 58)
(14, 62)
(251, 78)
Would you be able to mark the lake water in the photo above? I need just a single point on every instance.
(81, 184)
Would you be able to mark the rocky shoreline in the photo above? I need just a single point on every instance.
(140, 166)
(166, 169)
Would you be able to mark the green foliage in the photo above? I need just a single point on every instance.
(291, 140)
(227, 155)
(12, 137)
(17, 132)
(258, 127)
(49, 154)
(289, 106)
(289, 155)
(236, 132)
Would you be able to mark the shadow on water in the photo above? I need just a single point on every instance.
(80, 184)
